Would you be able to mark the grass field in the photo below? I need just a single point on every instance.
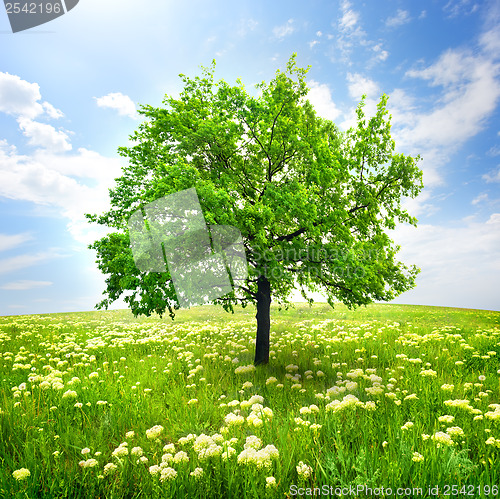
(103, 405)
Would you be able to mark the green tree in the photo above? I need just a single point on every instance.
(313, 204)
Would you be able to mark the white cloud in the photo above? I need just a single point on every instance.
(359, 85)
(43, 135)
(460, 265)
(313, 43)
(351, 35)
(22, 285)
(460, 7)
(349, 17)
(401, 17)
(52, 111)
(490, 42)
(10, 241)
(59, 182)
(122, 103)
(286, 29)
(19, 262)
(493, 176)
(480, 199)
(471, 94)
(19, 97)
(245, 26)
(380, 54)
(320, 97)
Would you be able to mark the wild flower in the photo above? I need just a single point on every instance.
(417, 457)
(447, 388)
(442, 438)
(121, 450)
(154, 432)
(181, 457)
(110, 468)
(455, 431)
(271, 482)
(89, 463)
(304, 470)
(168, 474)
(253, 442)
(21, 474)
(446, 419)
(244, 369)
(197, 473)
(232, 419)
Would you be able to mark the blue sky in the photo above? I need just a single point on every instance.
(69, 91)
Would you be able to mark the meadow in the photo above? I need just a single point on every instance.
(386, 397)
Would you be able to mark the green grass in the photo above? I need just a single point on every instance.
(357, 398)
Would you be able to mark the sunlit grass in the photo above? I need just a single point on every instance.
(101, 404)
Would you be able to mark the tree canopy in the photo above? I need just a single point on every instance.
(313, 204)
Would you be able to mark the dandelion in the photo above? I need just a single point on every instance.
(21, 474)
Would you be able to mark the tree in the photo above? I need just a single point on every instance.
(313, 204)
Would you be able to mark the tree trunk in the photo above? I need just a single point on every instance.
(263, 321)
